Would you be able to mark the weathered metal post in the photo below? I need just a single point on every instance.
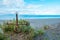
(16, 19)
(16, 28)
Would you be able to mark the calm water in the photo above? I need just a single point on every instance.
(41, 22)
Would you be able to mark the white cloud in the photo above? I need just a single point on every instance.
(13, 3)
(30, 9)
(40, 10)
(6, 2)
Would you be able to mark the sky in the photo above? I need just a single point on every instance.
(28, 7)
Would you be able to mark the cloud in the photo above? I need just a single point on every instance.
(31, 9)
(41, 10)
(13, 3)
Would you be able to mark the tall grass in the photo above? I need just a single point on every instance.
(25, 29)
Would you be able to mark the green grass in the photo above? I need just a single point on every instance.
(24, 29)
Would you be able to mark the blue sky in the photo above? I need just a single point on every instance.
(28, 7)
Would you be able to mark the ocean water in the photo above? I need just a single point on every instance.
(36, 23)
